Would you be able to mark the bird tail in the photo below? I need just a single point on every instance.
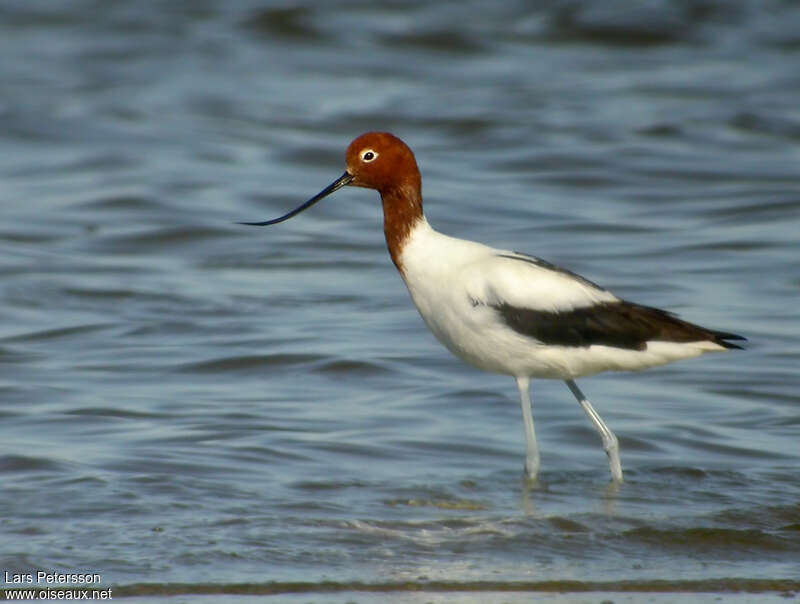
(722, 337)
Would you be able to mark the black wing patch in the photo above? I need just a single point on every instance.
(620, 324)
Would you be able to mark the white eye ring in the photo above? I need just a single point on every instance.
(368, 155)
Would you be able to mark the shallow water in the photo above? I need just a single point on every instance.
(188, 401)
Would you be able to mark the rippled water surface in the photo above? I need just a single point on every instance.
(188, 405)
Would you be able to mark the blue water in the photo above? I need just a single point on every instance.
(184, 400)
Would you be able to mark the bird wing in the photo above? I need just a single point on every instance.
(528, 282)
(557, 307)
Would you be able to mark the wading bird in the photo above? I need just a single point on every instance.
(507, 312)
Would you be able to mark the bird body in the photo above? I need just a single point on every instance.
(507, 312)
(484, 304)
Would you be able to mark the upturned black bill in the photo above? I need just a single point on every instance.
(344, 179)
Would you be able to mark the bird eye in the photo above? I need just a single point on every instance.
(368, 155)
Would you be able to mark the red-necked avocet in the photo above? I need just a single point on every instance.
(507, 312)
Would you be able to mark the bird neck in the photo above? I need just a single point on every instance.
(402, 211)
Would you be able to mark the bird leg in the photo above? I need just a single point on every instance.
(531, 448)
(610, 442)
